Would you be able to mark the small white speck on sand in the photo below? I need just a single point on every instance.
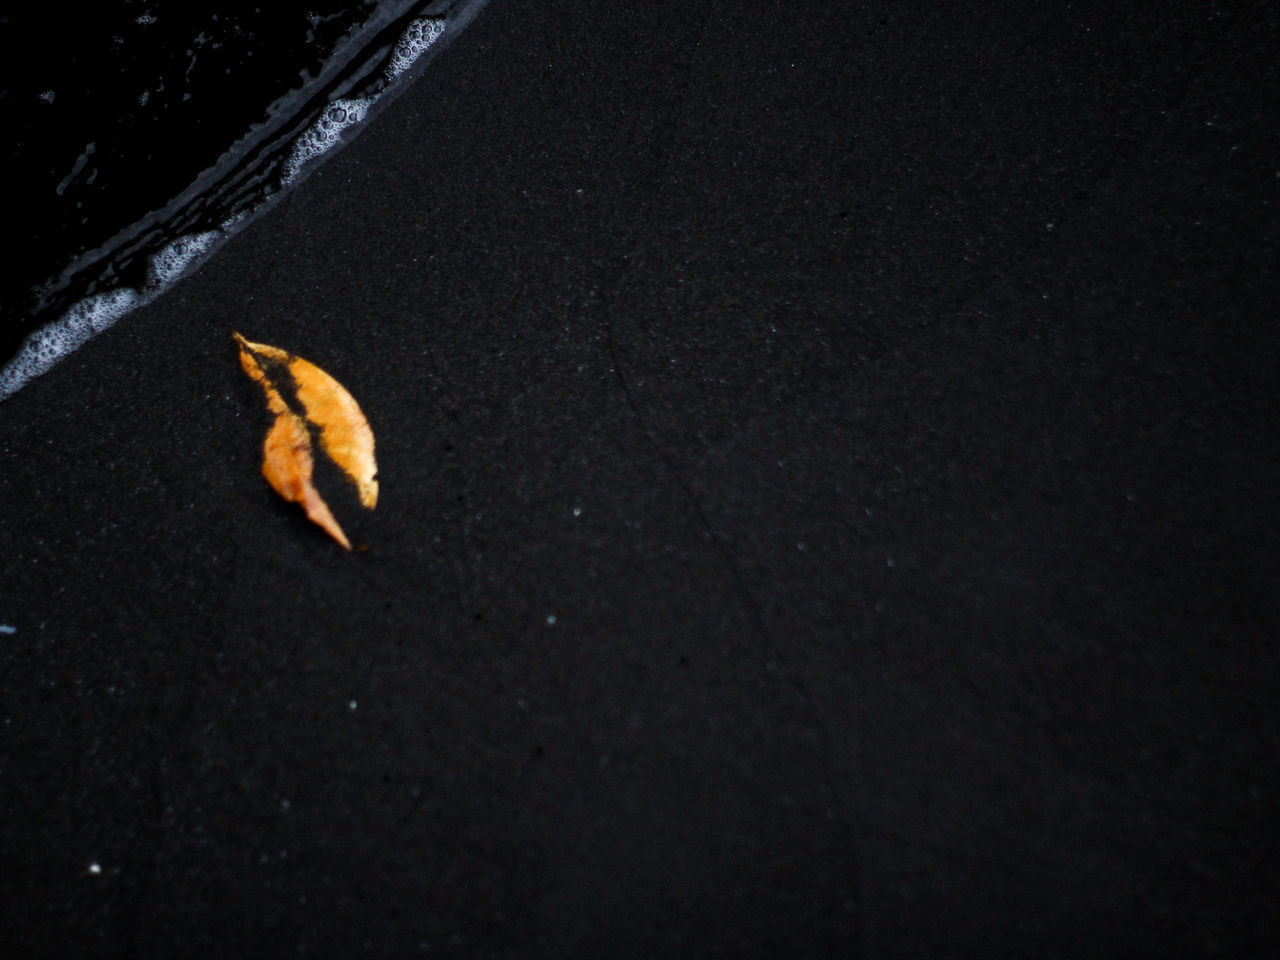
(7, 629)
(94, 869)
(351, 705)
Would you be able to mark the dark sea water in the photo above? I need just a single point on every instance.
(140, 133)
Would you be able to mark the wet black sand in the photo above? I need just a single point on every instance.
(828, 509)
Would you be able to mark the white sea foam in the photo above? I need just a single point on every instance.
(169, 264)
(51, 343)
(417, 37)
(234, 221)
(46, 346)
(323, 135)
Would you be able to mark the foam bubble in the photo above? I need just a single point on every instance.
(323, 135)
(167, 265)
(48, 345)
(419, 35)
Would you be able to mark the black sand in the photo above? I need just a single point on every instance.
(828, 509)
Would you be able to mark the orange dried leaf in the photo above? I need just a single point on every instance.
(287, 461)
(287, 465)
(344, 431)
(275, 403)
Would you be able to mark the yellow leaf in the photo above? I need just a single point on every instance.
(321, 402)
